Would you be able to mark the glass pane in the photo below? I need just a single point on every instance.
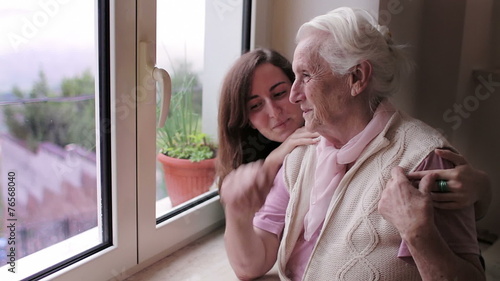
(180, 47)
(197, 41)
(50, 200)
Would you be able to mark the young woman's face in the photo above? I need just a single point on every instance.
(270, 110)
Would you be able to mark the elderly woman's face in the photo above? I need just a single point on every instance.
(270, 111)
(322, 95)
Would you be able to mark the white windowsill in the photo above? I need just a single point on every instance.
(204, 259)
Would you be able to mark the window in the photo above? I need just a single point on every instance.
(180, 33)
(189, 48)
(54, 148)
(195, 41)
(95, 123)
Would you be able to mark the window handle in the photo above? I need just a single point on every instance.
(163, 78)
(150, 72)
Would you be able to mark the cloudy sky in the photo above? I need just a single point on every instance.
(58, 37)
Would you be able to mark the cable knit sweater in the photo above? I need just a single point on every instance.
(356, 243)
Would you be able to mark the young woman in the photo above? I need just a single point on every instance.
(255, 115)
(257, 121)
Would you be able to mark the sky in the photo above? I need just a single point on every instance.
(180, 32)
(55, 36)
(58, 37)
(31, 24)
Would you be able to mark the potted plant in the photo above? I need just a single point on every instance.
(186, 154)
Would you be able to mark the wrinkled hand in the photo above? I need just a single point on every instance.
(404, 206)
(466, 184)
(245, 189)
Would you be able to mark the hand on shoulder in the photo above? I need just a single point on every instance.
(300, 137)
(467, 185)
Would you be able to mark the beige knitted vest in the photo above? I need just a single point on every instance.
(356, 243)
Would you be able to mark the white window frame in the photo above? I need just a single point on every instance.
(159, 240)
(138, 240)
(116, 260)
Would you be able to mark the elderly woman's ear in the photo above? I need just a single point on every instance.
(360, 77)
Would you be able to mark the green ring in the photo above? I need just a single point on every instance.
(443, 186)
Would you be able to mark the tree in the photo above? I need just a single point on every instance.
(56, 120)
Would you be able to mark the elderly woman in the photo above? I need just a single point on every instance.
(344, 209)
(251, 106)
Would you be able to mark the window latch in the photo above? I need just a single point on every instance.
(159, 75)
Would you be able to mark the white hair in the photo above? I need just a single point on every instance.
(354, 36)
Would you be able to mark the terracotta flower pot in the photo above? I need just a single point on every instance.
(185, 179)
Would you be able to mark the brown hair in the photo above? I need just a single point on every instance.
(239, 143)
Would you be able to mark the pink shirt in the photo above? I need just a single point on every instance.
(454, 225)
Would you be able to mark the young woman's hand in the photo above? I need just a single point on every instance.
(300, 137)
(245, 189)
(467, 186)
